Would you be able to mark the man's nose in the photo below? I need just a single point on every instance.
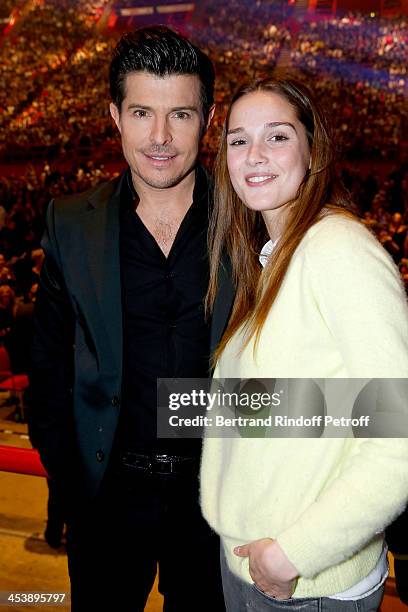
(160, 132)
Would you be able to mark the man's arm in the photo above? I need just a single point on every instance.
(51, 376)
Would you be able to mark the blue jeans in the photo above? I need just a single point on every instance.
(241, 597)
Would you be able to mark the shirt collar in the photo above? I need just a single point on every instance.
(202, 191)
(266, 251)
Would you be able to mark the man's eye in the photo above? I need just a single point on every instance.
(139, 113)
(181, 115)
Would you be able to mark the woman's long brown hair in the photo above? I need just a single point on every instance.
(241, 232)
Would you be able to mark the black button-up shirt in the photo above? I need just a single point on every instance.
(164, 329)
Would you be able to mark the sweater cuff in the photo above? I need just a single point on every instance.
(301, 550)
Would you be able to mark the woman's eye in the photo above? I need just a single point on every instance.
(278, 138)
(237, 142)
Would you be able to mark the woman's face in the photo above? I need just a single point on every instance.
(267, 151)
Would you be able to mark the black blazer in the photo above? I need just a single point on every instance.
(74, 414)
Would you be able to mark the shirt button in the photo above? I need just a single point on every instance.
(100, 456)
(115, 401)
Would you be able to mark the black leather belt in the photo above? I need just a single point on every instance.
(160, 464)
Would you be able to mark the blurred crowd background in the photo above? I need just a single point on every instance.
(57, 137)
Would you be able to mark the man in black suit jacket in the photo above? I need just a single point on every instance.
(120, 304)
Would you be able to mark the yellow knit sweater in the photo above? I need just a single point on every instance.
(341, 312)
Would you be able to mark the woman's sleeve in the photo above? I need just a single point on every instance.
(359, 293)
(360, 297)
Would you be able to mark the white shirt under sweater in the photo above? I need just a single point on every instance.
(379, 574)
(341, 312)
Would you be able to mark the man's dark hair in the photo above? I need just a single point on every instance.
(160, 51)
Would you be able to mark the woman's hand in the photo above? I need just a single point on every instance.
(269, 567)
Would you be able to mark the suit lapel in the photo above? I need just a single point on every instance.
(223, 302)
(101, 228)
(103, 282)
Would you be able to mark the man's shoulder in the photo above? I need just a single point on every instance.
(74, 204)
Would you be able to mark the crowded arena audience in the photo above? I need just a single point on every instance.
(57, 136)
(243, 40)
(381, 201)
(53, 88)
(6, 8)
(23, 201)
(54, 57)
(50, 68)
(359, 66)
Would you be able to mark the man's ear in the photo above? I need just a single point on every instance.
(210, 117)
(114, 111)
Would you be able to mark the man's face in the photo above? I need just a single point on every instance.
(160, 123)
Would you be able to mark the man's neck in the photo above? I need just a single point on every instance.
(170, 201)
(162, 210)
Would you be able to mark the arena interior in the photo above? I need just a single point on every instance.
(57, 137)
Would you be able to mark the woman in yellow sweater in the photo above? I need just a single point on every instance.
(301, 520)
